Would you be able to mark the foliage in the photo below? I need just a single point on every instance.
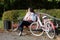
(1, 24)
(20, 4)
(10, 15)
(14, 14)
(54, 12)
(1, 7)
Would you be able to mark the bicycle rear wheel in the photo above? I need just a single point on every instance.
(35, 29)
(51, 31)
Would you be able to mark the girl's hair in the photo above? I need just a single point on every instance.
(32, 10)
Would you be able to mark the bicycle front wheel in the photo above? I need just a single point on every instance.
(35, 29)
(51, 32)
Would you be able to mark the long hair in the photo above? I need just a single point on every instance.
(32, 10)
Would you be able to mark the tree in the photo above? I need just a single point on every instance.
(1, 7)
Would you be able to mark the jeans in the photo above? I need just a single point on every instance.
(22, 24)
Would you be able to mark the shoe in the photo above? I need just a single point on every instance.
(20, 34)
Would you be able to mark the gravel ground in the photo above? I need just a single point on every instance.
(14, 36)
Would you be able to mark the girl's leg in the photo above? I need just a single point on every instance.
(26, 23)
(21, 28)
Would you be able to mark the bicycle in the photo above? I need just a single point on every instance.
(38, 28)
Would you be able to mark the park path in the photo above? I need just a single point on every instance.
(14, 36)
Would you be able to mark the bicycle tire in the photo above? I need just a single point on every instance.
(51, 36)
(36, 29)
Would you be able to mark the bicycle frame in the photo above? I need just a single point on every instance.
(44, 21)
(48, 27)
(38, 20)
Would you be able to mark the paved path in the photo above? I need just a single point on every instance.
(14, 36)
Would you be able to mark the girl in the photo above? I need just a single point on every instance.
(30, 17)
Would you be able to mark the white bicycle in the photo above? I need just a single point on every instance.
(38, 28)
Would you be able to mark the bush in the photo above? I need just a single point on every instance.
(52, 12)
(10, 15)
(13, 15)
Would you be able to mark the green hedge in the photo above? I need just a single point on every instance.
(14, 14)
(52, 12)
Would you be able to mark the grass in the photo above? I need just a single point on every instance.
(1, 24)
